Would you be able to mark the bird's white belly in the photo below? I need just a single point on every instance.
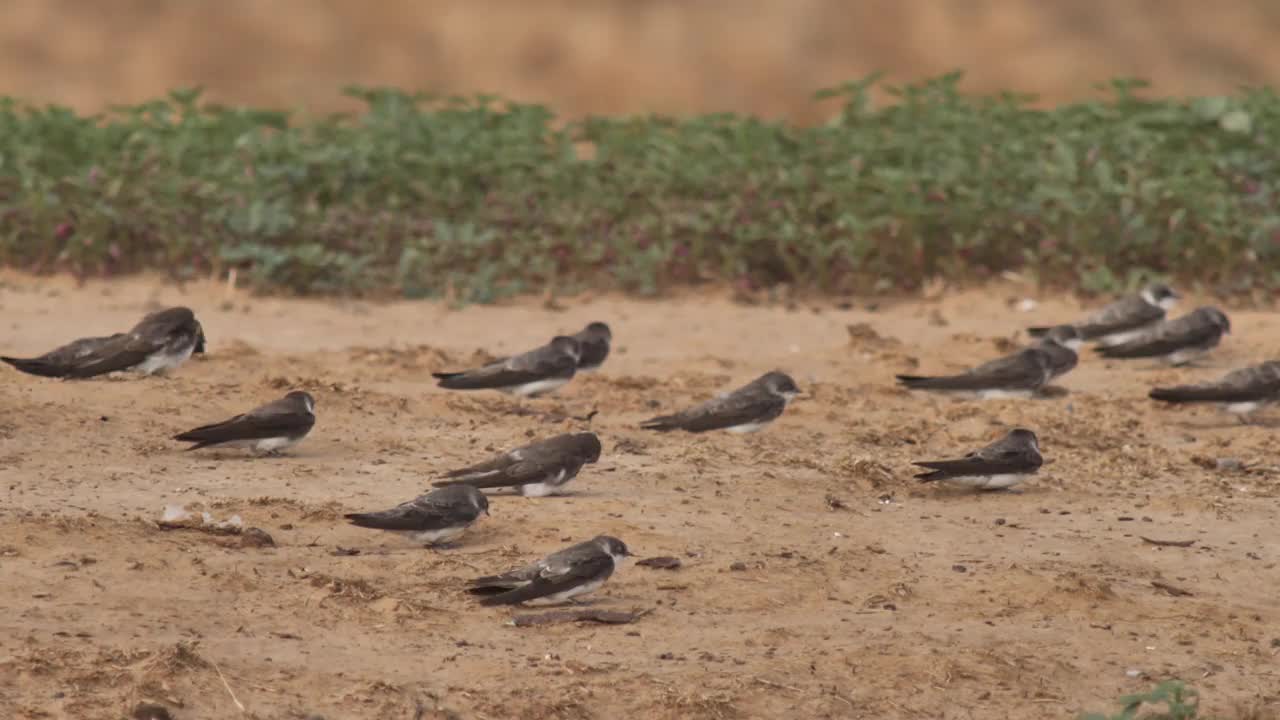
(275, 443)
(572, 592)
(1242, 408)
(537, 387)
(1121, 337)
(747, 427)
(997, 394)
(263, 444)
(989, 482)
(432, 537)
(552, 486)
(1182, 357)
(160, 361)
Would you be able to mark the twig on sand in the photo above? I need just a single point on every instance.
(773, 684)
(225, 684)
(1169, 543)
(610, 617)
(1173, 590)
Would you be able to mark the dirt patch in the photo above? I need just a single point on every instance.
(815, 578)
(622, 56)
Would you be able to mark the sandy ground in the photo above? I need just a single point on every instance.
(818, 580)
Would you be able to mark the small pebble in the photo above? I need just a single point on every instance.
(256, 537)
(738, 567)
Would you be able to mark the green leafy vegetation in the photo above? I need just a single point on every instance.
(476, 198)
(1170, 700)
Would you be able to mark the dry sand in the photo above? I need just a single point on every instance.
(818, 580)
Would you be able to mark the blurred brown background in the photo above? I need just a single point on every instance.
(616, 56)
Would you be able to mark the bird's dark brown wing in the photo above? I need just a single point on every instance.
(1025, 370)
(554, 579)
(739, 408)
(279, 418)
(545, 362)
(1249, 384)
(420, 514)
(1005, 456)
(1129, 313)
(122, 353)
(1166, 340)
(62, 361)
(1010, 461)
(530, 464)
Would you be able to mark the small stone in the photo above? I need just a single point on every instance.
(151, 711)
(999, 521)
(959, 568)
(738, 567)
(256, 537)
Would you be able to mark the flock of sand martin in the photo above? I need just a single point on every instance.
(1133, 327)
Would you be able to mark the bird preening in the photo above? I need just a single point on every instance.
(161, 341)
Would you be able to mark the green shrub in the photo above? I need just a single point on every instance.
(478, 198)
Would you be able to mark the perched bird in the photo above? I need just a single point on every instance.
(1123, 319)
(1021, 374)
(431, 519)
(1062, 344)
(1178, 341)
(1000, 465)
(268, 428)
(560, 576)
(594, 341)
(537, 469)
(540, 371)
(748, 409)
(1240, 391)
(161, 341)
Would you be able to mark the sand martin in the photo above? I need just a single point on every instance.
(558, 577)
(1239, 391)
(1125, 318)
(540, 371)
(268, 428)
(1062, 343)
(430, 519)
(537, 469)
(748, 409)
(161, 341)
(594, 341)
(1021, 374)
(1000, 465)
(1178, 341)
